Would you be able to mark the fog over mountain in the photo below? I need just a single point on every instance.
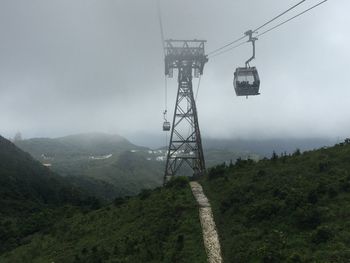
(83, 66)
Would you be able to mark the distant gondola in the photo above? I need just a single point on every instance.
(166, 126)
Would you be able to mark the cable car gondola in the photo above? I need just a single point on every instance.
(246, 79)
(166, 124)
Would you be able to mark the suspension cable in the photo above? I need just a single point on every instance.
(255, 30)
(159, 12)
(225, 46)
(227, 50)
(166, 93)
(284, 22)
(274, 27)
(273, 19)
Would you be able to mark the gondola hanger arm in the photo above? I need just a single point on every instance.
(251, 39)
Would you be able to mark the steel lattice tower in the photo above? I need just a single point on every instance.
(185, 146)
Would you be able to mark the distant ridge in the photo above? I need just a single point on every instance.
(29, 194)
(259, 145)
(265, 147)
(89, 143)
(23, 178)
(107, 165)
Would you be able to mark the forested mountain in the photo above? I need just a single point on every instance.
(28, 193)
(157, 226)
(25, 179)
(44, 219)
(105, 165)
(109, 166)
(292, 208)
(87, 144)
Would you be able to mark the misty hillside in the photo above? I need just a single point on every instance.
(25, 179)
(174, 131)
(292, 208)
(29, 195)
(109, 165)
(265, 147)
(87, 144)
(44, 219)
(105, 165)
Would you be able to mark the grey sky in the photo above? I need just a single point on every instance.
(96, 65)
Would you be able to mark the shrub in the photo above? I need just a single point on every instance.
(178, 182)
(312, 197)
(217, 172)
(274, 156)
(119, 201)
(322, 235)
(261, 173)
(297, 152)
(332, 192)
(145, 193)
(264, 211)
(295, 258)
(323, 167)
(307, 217)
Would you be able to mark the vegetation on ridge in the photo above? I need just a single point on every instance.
(107, 166)
(291, 208)
(157, 226)
(32, 198)
(288, 209)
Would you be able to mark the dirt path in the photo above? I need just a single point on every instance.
(210, 235)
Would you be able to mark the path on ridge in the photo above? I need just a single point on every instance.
(210, 235)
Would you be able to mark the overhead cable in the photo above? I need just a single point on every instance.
(272, 28)
(280, 24)
(159, 12)
(275, 18)
(268, 22)
(227, 50)
(225, 46)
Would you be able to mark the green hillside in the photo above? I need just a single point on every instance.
(23, 179)
(109, 166)
(76, 145)
(290, 208)
(44, 219)
(287, 209)
(105, 165)
(31, 196)
(157, 226)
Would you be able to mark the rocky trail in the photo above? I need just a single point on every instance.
(210, 235)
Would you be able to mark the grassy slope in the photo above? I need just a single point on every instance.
(288, 209)
(157, 226)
